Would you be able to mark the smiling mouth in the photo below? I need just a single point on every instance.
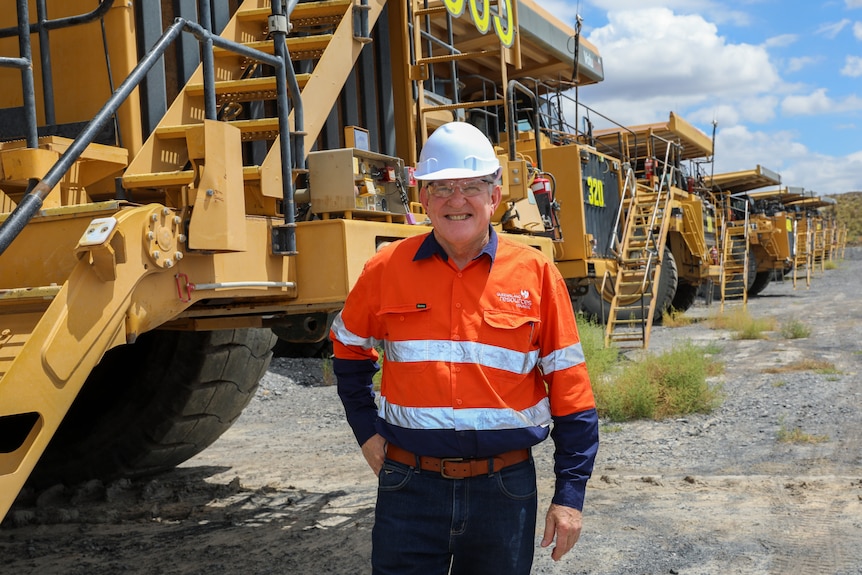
(458, 217)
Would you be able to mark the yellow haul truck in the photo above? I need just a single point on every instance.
(670, 211)
(768, 230)
(171, 195)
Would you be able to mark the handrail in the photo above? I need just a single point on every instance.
(513, 119)
(629, 184)
(31, 202)
(66, 22)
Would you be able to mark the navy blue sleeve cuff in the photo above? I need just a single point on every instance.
(576, 439)
(355, 388)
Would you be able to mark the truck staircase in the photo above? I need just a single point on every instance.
(734, 263)
(802, 258)
(820, 249)
(325, 39)
(49, 342)
(428, 104)
(636, 283)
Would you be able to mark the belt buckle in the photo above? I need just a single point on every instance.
(443, 461)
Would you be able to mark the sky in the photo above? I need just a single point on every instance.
(781, 80)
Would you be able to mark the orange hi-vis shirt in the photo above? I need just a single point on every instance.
(477, 361)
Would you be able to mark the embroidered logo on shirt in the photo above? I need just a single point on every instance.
(521, 300)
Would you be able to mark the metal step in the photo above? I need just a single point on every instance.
(244, 90)
(178, 178)
(300, 47)
(304, 15)
(262, 129)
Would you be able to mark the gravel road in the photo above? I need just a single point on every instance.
(287, 491)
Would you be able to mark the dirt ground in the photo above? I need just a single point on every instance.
(287, 491)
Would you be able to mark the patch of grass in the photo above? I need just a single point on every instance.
(797, 436)
(779, 383)
(608, 428)
(659, 386)
(815, 365)
(795, 329)
(327, 373)
(600, 360)
(740, 321)
(830, 265)
(675, 318)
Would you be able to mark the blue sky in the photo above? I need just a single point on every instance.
(782, 79)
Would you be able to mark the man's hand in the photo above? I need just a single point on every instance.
(565, 523)
(374, 450)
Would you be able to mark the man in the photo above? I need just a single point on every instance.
(481, 354)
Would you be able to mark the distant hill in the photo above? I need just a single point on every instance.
(848, 210)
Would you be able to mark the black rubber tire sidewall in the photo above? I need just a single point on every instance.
(761, 280)
(595, 307)
(148, 406)
(685, 296)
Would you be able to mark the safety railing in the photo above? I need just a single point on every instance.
(287, 87)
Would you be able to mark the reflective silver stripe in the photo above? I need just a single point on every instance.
(561, 359)
(462, 352)
(472, 419)
(347, 337)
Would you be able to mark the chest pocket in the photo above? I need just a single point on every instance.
(408, 331)
(514, 331)
(509, 339)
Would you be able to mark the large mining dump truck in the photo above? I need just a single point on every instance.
(182, 181)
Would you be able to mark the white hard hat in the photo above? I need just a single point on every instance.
(456, 150)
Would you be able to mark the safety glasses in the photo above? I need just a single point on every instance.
(468, 188)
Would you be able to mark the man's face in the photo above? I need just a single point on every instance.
(460, 210)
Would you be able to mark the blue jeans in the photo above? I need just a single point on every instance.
(426, 524)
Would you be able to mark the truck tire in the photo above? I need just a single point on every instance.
(685, 296)
(596, 307)
(149, 406)
(761, 280)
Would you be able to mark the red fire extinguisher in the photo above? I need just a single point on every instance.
(648, 168)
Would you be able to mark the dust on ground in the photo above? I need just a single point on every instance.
(287, 491)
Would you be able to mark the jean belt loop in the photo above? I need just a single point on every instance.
(418, 468)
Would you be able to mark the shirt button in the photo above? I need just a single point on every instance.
(458, 402)
(458, 306)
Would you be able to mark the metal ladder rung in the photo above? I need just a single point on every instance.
(245, 90)
(265, 127)
(177, 178)
(304, 11)
(300, 47)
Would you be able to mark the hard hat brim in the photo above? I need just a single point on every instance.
(456, 174)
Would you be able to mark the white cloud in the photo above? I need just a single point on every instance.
(677, 62)
(796, 64)
(851, 4)
(833, 29)
(852, 67)
(736, 147)
(857, 29)
(818, 102)
(716, 11)
(781, 41)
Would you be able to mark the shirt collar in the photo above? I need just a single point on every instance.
(431, 246)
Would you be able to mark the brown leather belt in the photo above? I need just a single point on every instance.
(457, 467)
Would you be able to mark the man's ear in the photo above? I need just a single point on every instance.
(423, 196)
(496, 196)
